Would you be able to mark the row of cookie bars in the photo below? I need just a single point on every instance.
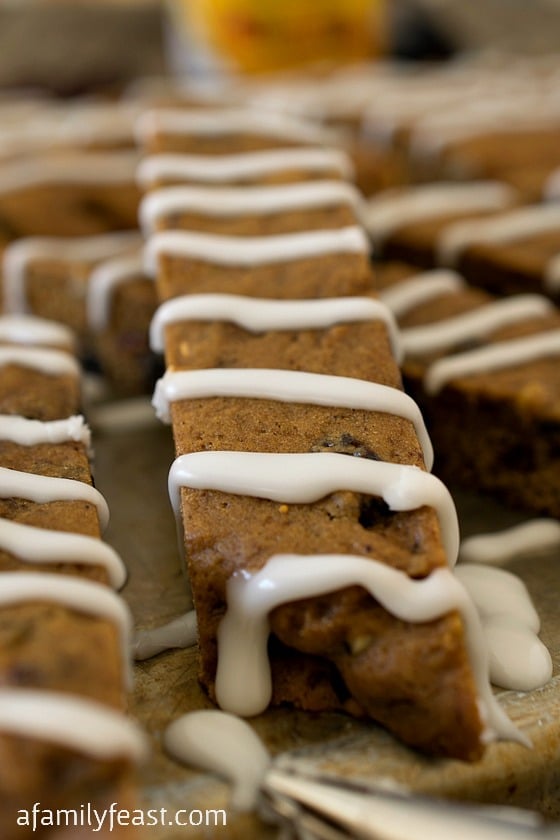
(485, 372)
(64, 648)
(70, 252)
(300, 461)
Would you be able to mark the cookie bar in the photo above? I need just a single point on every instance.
(120, 303)
(63, 633)
(265, 166)
(406, 223)
(49, 254)
(40, 125)
(514, 252)
(208, 131)
(96, 286)
(485, 373)
(291, 429)
(78, 193)
(303, 265)
(259, 210)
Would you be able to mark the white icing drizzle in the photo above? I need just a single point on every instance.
(225, 745)
(43, 488)
(223, 168)
(551, 278)
(498, 356)
(261, 314)
(39, 545)
(83, 596)
(236, 201)
(518, 659)
(77, 123)
(27, 432)
(421, 288)
(72, 168)
(506, 227)
(22, 252)
(243, 682)
(523, 112)
(289, 386)
(224, 121)
(181, 632)
(396, 208)
(28, 329)
(536, 535)
(252, 250)
(303, 478)
(476, 323)
(43, 359)
(103, 281)
(73, 722)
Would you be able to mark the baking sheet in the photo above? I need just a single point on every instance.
(131, 471)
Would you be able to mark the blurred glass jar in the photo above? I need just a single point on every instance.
(213, 38)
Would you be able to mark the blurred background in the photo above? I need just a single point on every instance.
(75, 46)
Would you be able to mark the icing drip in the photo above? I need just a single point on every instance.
(75, 723)
(503, 546)
(72, 168)
(103, 281)
(421, 288)
(235, 201)
(32, 432)
(39, 545)
(90, 249)
(440, 335)
(305, 478)
(507, 227)
(518, 659)
(83, 596)
(243, 682)
(212, 123)
(225, 745)
(181, 632)
(289, 386)
(28, 329)
(45, 360)
(395, 209)
(252, 250)
(224, 168)
(42, 489)
(505, 354)
(260, 315)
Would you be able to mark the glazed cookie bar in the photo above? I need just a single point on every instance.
(517, 251)
(35, 126)
(265, 166)
(295, 459)
(78, 193)
(96, 286)
(292, 434)
(64, 661)
(208, 131)
(406, 223)
(304, 264)
(485, 373)
(254, 211)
